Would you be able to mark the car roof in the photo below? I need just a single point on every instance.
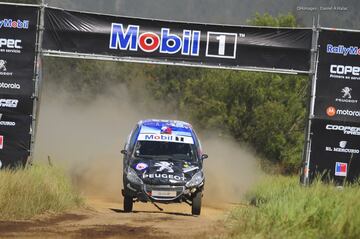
(162, 122)
(178, 127)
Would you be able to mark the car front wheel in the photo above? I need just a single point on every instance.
(196, 204)
(128, 203)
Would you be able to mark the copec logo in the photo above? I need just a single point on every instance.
(187, 43)
(19, 24)
(345, 70)
(10, 43)
(343, 50)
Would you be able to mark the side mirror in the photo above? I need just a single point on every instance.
(204, 156)
(124, 152)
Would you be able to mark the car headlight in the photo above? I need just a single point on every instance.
(132, 176)
(195, 180)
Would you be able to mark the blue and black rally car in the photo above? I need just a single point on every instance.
(163, 163)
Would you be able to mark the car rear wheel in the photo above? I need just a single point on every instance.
(128, 203)
(196, 204)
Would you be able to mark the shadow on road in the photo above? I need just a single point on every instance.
(155, 212)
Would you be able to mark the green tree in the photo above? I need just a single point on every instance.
(265, 110)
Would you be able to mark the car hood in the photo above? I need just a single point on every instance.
(160, 172)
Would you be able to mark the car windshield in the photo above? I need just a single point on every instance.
(170, 150)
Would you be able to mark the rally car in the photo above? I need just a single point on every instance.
(163, 163)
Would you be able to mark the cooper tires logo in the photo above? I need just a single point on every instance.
(8, 103)
(348, 130)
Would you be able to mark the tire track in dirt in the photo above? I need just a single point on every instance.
(104, 219)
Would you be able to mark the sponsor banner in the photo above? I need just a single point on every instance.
(11, 68)
(15, 87)
(198, 44)
(15, 134)
(338, 76)
(18, 29)
(15, 124)
(17, 37)
(334, 145)
(340, 111)
(11, 104)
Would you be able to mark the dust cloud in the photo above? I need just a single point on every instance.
(231, 169)
(85, 138)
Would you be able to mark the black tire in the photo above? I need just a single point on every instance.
(128, 203)
(196, 204)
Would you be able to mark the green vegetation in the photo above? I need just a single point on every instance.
(288, 20)
(38, 189)
(281, 208)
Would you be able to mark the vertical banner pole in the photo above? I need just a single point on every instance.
(37, 80)
(313, 75)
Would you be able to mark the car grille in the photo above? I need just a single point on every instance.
(175, 191)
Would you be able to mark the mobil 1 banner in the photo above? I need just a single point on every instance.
(18, 29)
(14, 139)
(335, 150)
(176, 42)
(338, 77)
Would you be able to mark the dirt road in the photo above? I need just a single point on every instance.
(107, 220)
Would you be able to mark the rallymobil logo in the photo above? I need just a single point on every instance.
(166, 43)
(332, 111)
(18, 24)
(348, 130)
(343, 50)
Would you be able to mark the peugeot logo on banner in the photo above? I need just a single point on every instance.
(346, 96)
(346, 91)
(3, 65)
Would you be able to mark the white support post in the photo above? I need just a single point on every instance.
(313, 75)
(37, 80)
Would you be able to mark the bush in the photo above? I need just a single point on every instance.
(35, 190)
(281, 208)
